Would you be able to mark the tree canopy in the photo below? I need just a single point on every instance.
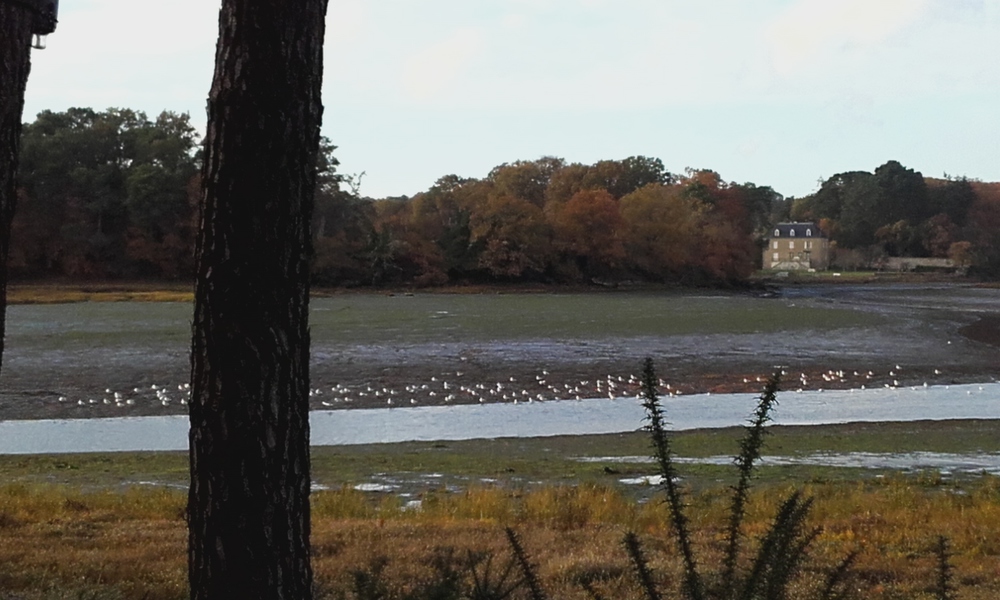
(896, 211)
(112, 194)
(106, 194)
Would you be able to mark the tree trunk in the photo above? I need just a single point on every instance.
(249, 442)
(15, 62)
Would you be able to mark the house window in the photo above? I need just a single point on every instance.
(791, 232)
(775, 257)
(775, 245)
(809, 232)
(791, 245)
(777, 233)
(809, 244)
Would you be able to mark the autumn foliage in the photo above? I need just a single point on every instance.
(112, 195)
(566, 223)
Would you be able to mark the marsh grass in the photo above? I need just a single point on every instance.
(551, 460)
(65, 294)
(88, 535)
(61, 541)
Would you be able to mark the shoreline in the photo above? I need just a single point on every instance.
(57, 292)
(467, 423)
(434, 372)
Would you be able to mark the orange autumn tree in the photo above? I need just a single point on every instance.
(526, 180)
(587, 232)
(726, 251)
(514, 236)
(660, 225)
(983, 224)
(563, 183)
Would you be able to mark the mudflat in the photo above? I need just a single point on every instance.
(98, 359)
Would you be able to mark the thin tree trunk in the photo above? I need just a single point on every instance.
(249, 443)
(15, 63)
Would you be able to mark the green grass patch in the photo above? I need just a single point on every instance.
(61, 322)
(417, 318)
(538, 461)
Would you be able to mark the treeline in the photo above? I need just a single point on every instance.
(108, 194)
(896, 211)
(114, 195)
(546, 220)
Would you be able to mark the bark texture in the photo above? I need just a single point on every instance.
(15, 63)
(249, 442)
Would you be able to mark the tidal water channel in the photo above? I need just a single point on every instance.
(566, 417)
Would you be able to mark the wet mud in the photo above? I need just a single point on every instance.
(926, 334)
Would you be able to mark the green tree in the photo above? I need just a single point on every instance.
(871, 202)
(107, 193)
(953, 198)
(828, 201)
(861, 214)
(903, 194)
(341, 227)
(760, 202)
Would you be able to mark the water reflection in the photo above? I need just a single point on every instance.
(346, 427)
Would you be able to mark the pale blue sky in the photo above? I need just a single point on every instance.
(778, 92)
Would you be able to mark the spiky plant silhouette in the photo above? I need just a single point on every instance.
(944, 583)
(780, 551)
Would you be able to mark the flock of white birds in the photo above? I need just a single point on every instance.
(164, 395)
(455, 387)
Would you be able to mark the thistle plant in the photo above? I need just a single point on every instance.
(944, 584)
(664, 460)
(780, 551)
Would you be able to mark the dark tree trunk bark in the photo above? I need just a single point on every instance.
(249, 443)
(15, 62)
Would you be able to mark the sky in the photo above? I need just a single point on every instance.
(784, 93)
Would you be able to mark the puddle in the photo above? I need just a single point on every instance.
(944, 462)
(645, 480)
(617, 459)
(376, 487)
(163, 484)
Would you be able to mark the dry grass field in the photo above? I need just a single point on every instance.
(61, 542)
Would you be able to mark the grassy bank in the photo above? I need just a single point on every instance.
(527, 462)
(65, 293)
(60, 292)
(112, 525)
(60, 542)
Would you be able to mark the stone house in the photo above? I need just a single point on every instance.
(797, 246)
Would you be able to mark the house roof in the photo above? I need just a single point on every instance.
(789, 230)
